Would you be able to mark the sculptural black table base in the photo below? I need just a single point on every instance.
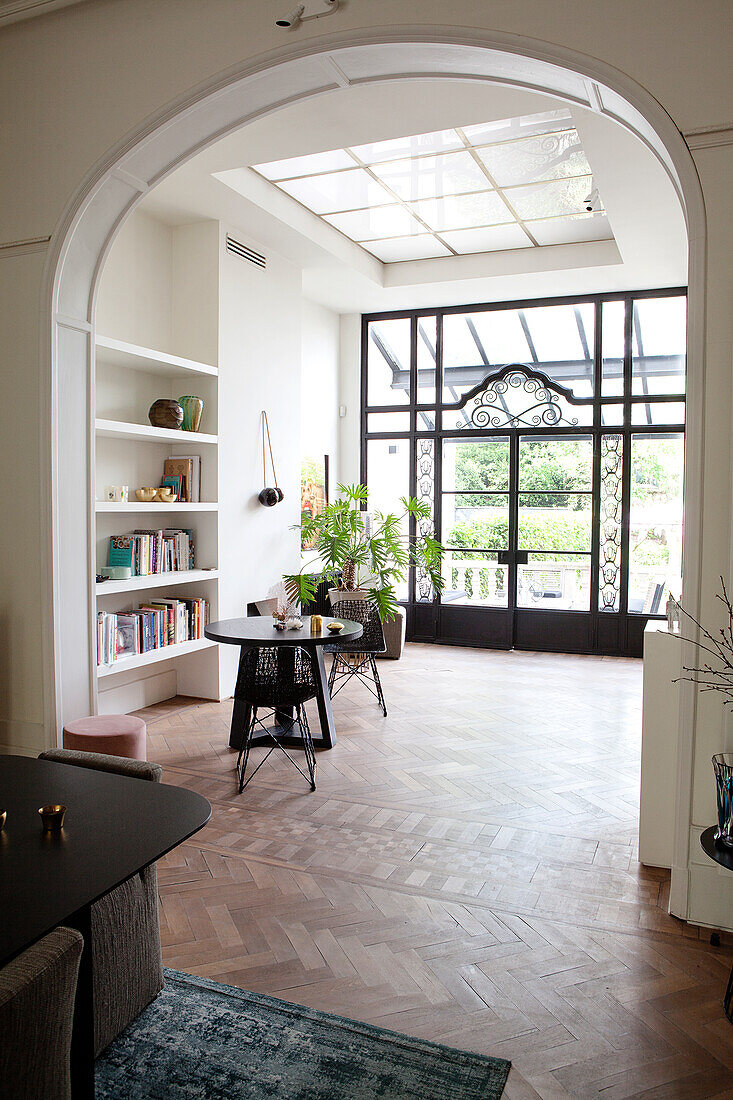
(259, 631)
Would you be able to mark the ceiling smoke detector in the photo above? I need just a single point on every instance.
(289, 22)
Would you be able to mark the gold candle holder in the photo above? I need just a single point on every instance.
(316, 624)
(52, 818)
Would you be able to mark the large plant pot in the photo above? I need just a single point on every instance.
(336, 595)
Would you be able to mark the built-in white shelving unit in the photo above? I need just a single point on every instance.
(154, 657)
(155, 580)
(118, 353)
(143, 433)
(129, 451)
(143, 507)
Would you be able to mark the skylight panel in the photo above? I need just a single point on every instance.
(351, 190)
(305, 166)
(524, 126)
(571, 230)
(397, 249)
(552, 156)
(440, 141)
(376, 221)
(430, 177)
(509, 183)
(495, 238)
(463, 211)
(546, 200)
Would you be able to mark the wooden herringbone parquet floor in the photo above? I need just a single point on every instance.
(466, 872)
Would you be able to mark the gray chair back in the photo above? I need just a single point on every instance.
(37, 991)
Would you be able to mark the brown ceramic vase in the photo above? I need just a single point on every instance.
(165, 413)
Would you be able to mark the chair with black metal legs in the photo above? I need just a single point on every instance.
(280, 679)
(357, 658)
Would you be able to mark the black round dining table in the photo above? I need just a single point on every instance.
(255, 631)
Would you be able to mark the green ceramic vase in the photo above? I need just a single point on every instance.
(192, 407)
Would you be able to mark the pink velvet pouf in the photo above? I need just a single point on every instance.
(110, 734)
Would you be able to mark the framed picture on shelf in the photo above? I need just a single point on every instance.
(313, 490)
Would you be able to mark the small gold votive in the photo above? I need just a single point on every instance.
(52, 818)
(316, 624)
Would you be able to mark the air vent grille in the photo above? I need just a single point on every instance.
(245, 253)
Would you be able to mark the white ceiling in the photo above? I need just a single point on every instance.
(648, 248)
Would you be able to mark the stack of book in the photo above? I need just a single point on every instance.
(147, 552)
(183, 474)
(161, 622)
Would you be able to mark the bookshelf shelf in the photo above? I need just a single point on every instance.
(165, 653)
(145, 433)
(119, 353)
(142, 506)
(155, 580)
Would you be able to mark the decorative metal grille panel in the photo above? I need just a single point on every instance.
(609, 574)
(425, 480)
(518, 397)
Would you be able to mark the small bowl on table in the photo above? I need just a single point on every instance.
(52, 817)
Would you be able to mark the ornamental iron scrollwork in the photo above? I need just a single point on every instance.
(519, 397)
(425, 479)
(609, 576)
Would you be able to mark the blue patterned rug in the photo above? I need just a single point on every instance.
(203, 1041)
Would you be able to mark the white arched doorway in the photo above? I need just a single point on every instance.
(182, 129)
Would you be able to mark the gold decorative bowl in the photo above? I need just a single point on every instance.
(335, 628)
(147, 493)
(52, 817)
(166, 495)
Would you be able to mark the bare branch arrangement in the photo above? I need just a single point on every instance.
(717, 675)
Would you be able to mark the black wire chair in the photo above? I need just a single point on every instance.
(280, 679)
(356, 658)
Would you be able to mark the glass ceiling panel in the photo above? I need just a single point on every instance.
(471, 189)
(552, 156)
(306, 166)
(496, 238)
(350, 190)
(396, 249)
(376, 221)
(546, 200)
(440, 141)
(428, 177)
(463, 211)
(524, 126)
(571, 230)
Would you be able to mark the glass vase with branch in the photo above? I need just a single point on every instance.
(353, 548)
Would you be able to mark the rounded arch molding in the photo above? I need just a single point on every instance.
(183, 128)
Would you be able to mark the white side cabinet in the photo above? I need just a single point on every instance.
(659, 726)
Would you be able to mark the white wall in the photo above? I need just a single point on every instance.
(319, 426)
(136, 291)
(259, 368)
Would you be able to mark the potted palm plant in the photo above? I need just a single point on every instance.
(351, 547)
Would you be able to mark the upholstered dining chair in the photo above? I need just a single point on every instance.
(126, 955)
(278, 679)
(357, 657)
(37, 991)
